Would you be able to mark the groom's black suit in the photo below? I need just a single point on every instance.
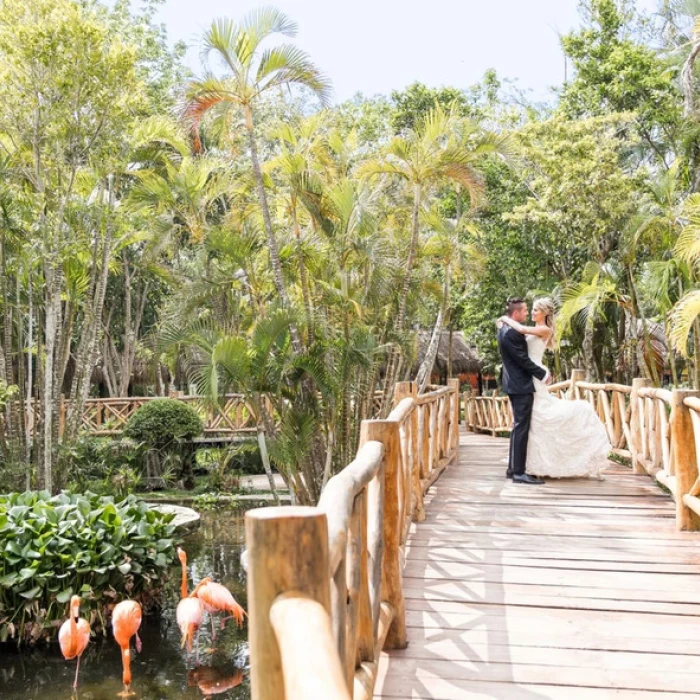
(518, 371)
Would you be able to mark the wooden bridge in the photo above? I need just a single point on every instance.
(474, 587)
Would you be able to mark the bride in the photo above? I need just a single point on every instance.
(567, 439)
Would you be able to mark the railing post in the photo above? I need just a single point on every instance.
(636, 418)
(404, 390)
(577, 375)
(387, 432)
(454, 422)
(467, 412)
(683, 443)
(288, 552)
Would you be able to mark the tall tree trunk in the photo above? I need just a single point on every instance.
(303, 276)
(275, 262)
(696, 353)
(449, 350)
(403, 298)
(85, 360)
(588, 357)
(426, 368)
(53, 302)
(29, 427)
(10, 417)
(408, 274)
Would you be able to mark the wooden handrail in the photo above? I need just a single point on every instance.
(656, 429)
(348, 579)
(303, 632)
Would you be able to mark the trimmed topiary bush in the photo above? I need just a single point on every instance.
(163, 421)
(165, 428)
(54, 547)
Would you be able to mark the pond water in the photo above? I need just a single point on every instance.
(161, 671)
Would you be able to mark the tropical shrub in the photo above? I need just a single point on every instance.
(53, 547)
(98, 464)
(163, 421)
(165, 428)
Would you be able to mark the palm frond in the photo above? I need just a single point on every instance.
(267, 20)
(286, 65)
(682, 320)
(222, 37)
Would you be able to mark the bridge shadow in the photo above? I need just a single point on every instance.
(459, 628)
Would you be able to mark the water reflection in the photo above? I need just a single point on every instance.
(212, 680)
(161, 671)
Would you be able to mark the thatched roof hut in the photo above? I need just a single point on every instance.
(464, 357)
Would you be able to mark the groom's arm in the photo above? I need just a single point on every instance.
(516, 347)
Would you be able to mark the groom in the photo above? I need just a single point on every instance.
(518, 371)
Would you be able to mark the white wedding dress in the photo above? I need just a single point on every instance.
(567, 439)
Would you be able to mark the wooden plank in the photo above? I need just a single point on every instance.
(443, 549)
(642, 678)
(424, 689)
(478, 590)
(443, 555)
(548, 656)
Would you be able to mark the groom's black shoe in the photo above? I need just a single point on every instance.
(509, 473)
(526, 479)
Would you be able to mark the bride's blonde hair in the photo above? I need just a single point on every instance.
(546, 306)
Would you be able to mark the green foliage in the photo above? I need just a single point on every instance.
(617, 72)
(103, 465)
(516, 260)
(584, 195)
(161, 422)
(54, 547)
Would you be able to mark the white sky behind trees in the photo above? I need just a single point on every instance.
(376, 46)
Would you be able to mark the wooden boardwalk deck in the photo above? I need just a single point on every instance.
(576, 590)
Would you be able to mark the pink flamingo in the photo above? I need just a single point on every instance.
(217, 598)
(74, 636)
(190, 611)
(126, 621)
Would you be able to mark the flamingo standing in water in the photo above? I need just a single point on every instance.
(126, 620)
(74, 636)
(190, 611)
(217, 598)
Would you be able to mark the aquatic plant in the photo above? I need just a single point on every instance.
(87, 545)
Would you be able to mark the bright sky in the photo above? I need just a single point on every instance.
(375, 46)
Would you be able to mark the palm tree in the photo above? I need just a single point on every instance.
(302, 151)
(443, 148)
(587, 305)
(685, 316)
(252, 72)
(452, 257)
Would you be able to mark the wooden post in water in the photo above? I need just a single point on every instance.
(683, 443)
(636, 420)
(288, 554)
(387, 432)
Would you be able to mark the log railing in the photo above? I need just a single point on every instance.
(325, 589)
(658, 430)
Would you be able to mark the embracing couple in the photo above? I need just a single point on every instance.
(551, 437)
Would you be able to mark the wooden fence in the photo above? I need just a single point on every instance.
(325, 589)
(658, 430)
(108, 417)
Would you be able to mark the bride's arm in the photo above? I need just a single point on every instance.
(541, 331)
